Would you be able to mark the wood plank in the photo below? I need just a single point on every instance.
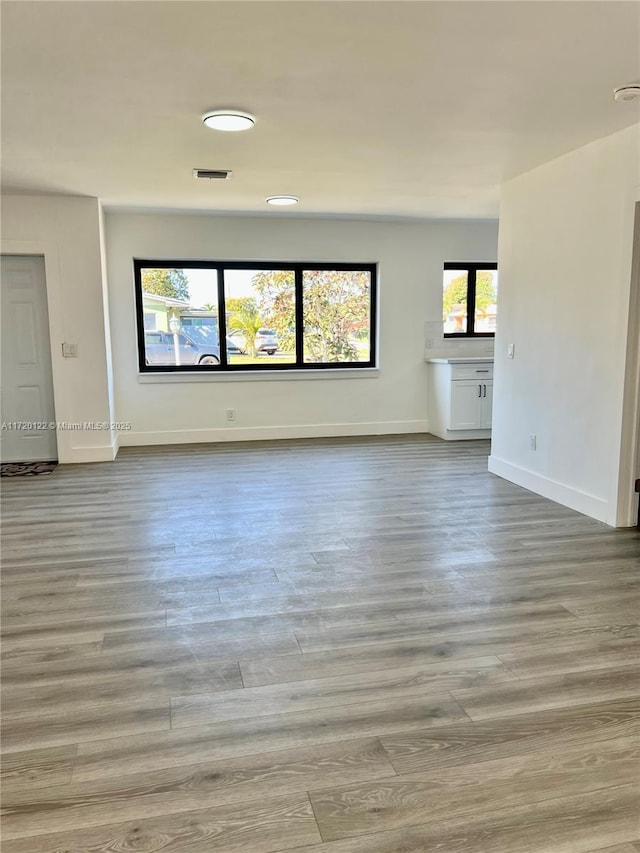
(458, 744)
(283, 548)
(22, 571)
(173, 577)
(604, 610)
(560, 825)
(322, 610)
(81, 605)
(196, 624)
(270, 825)
(602, 654)
(547, 618)
(36, 768)
(119, 664)
(520, 568)
(332, 583)
(249, 778)
(557, 691)
(431, 649)
(295, 696)
(233, 738)
(283, 601)
(51, 629)
(618, 848)
(30, 655)
(512, 782)
(205, 645)
(157, 682)
(30, 730)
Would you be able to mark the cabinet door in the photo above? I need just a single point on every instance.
(466, 404)
(487, 405)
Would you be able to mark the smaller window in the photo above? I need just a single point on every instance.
(469, 297)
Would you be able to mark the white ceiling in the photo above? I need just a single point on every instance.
(413, 109)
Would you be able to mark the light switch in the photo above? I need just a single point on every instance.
(70, 350)
(511, 351)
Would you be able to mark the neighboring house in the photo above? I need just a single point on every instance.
(456, 318)
(198, 317)
(158, 309)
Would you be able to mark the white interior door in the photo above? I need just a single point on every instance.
(26, 392)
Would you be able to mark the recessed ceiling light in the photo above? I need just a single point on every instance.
(627, 93)
(230, 120)
(283, 199)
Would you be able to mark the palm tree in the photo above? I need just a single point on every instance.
(247, 320)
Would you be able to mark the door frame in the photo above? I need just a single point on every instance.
(629, 470)
(49, 251)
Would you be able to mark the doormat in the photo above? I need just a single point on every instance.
(26, 469)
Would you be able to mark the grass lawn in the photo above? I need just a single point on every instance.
(264, 360)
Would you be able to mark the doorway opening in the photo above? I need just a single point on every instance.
(629, 472)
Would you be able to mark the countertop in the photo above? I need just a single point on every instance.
(469, 359)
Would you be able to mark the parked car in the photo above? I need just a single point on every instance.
(206, 335)
(266, 341)
(232, 346)
(159, 348)
(238, 341)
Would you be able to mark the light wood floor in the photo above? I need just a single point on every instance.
(359, 646)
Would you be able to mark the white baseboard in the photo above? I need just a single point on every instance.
(194, 436)
(99, 453)
(462, 434)
(560, 493)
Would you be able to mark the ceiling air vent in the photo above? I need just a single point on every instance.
(212, 174)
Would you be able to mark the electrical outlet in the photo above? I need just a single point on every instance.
(533, 441)
(429, 343)
(231, 414)
(69, 350)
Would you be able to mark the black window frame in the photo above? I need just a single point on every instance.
(471, 269)
(298, 268)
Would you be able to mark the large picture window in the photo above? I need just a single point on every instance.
(469, 296)
(223, 316)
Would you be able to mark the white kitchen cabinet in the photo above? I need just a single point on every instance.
(460, 397)
(486, 410)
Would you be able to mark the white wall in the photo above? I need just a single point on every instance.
(66, 230)
(392, 400)
(565, 249)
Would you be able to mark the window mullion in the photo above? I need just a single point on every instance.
(222, 318)
(299, 315)
(373, 315)
(471, 301)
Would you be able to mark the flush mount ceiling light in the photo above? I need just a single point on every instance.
(229, 120)
(627, 93)
(282, 200)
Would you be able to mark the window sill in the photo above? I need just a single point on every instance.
(259, 375)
